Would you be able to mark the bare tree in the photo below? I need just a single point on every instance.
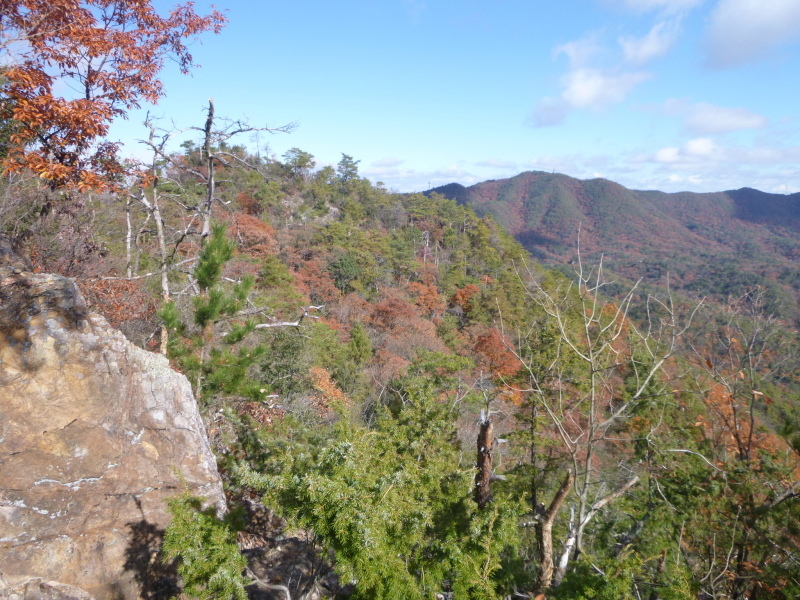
(740, 352)
(216, 132)
(194, 218)
(588, 367)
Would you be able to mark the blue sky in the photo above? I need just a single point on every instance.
(698, 95)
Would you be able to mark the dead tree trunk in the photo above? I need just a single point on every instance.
(483, 478)
(210, 180)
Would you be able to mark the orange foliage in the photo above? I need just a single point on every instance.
(118, 300)
(265, 415)
(351, 309)
(393, 313)
(328, 396)
(111, 52)
(734, 430)
(427, 298)
(248, 203)
(464, 295)
(386, 367)
(236, 268)
(401, 333)
(254, 237)
(494, 354)
(314, 282)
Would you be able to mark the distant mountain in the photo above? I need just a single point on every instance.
(713, 243)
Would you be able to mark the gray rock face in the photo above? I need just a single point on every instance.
(95, 435)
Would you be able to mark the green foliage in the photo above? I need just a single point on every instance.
(285, 367)
(359, 348)
(217, 250)
(301, 163)
(394, 505)
(344, 271)
(347, 170)
(274, 273)
(218, 361)
(210, 563)
(626, 577)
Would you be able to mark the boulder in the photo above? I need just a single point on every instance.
(95, 435)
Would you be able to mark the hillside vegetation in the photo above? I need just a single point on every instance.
(717, 244)
(407, 402)
(395, 374)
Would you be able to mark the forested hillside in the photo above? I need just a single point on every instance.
(404, 403)
(350, 347)
(717, 244)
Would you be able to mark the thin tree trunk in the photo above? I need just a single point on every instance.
(210, 182)
(566, 554)
(596, 508)
(545, 533)
(155, 210)
(534, 455)
(128, 239)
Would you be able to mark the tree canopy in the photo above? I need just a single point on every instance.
(111, 53)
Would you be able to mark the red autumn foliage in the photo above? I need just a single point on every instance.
(494, 354)
(463, 296)
(314, 282)
(263, 414)
(402, 331)
(248, 203)
(350, 310)
(238, 267)
(386, 367)
(253, 236)
(111, 52)
(427, 299)
(328, 396)
(118, 300)
(736, 430)
(392, 314)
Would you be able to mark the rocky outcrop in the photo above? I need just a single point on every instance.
(95, 435)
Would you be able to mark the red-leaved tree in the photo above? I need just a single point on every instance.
(110, 52)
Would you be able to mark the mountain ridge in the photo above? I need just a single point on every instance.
(737, 238)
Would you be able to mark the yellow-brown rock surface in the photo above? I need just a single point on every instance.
(95, 435)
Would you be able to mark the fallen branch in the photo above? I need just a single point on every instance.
(306, 313)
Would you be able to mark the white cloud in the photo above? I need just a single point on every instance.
(557, 164)
(389, 161)
(549, 112)
(667, 6)
(411, 180)
(706, 154)
(496, 163)
(596, 89)
(741, 31)
(584, 86)
(657, 42)
(667, 155)
(580, 52)
(700, 164)
(707, 118)
(700, 147)
(703, 118)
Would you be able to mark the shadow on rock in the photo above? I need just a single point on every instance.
(158, 580)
